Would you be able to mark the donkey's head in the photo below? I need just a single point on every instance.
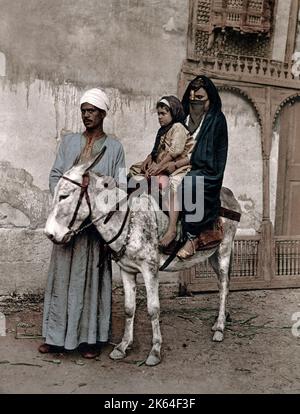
(71, 203)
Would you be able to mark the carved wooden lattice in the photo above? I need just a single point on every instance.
(237, 27)
(203, 11)
(287, 256)
(244, 263)
(246, 271)
(248, 16)
(232, 43)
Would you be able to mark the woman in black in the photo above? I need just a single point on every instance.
(206, 121)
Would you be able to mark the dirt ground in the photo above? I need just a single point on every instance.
(259, 353)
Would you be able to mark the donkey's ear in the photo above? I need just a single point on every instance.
(91, 164)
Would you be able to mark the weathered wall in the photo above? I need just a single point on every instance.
(124, 44)
(243, 173)
(133, 49)
(281, 29)
(51, 52)
(24, 260)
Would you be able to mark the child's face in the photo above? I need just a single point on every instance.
(164, 116)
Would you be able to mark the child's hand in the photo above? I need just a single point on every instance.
(146, 164)
(171, 167)
(154, 169)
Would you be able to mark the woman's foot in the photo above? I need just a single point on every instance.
(188, 250)
(167, 238)
(50, 349)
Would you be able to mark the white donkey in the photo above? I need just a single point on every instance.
(133, 235)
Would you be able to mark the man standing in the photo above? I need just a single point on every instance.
(77, 305)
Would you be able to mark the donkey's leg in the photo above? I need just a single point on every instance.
(220, 262)
(152, 283)
(129, 284)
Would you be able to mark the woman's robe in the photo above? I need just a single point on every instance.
(208, 160)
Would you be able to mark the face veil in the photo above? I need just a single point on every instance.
(211, 90)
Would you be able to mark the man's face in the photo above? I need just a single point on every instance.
(92, 117)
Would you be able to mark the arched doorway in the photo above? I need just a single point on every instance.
(287, 219)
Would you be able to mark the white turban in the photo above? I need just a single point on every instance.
(97, 98)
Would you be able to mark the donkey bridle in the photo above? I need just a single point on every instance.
(84, 193)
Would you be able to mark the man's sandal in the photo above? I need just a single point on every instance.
(50, 349)
(89, 351)
(90, 354)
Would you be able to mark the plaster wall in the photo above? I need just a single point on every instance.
(281, 29)
(243, 173)
(51, 52)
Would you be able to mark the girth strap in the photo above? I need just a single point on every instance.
(230, 214)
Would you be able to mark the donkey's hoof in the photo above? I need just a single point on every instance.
(218, 326)
(152, 360)
(215, 327)
(117, 354)
(218, 336)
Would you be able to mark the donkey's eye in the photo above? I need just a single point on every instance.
(63, 197)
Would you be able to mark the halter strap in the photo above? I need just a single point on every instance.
(84, 186)
(83, 193)
(85, 182)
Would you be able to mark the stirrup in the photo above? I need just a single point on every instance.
(184, 254)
